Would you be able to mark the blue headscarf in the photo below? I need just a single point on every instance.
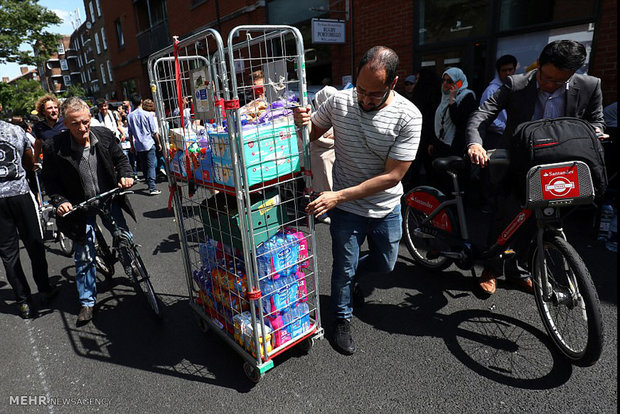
(449, 129)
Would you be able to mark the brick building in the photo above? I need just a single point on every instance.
(469, 34)
(55, 73)
(25, 74)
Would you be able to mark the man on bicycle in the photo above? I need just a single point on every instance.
(79, 164)
(552, 90)
(376, 137)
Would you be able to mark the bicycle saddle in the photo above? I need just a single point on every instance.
(452, 162)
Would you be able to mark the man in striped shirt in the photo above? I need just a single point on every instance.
(376, 137)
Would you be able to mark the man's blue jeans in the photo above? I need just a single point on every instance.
(132, 161)
(148, 162)
(84, 257)
(348, 233)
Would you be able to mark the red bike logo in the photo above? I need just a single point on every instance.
(560, 182)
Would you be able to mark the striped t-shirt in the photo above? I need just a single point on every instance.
(363, 142)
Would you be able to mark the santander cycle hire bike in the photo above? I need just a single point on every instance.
(123, 248)
(436, 235)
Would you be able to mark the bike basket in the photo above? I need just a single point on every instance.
(564, 183)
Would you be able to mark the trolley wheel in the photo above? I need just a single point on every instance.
(252, 372)
(306, 345)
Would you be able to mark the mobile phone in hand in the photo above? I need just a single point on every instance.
(458, 84)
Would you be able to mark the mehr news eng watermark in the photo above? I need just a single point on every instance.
(28, 400)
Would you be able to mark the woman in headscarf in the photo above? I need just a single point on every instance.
(457, 104)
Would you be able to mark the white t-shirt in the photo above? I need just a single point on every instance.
(364, 141)
(110, 122)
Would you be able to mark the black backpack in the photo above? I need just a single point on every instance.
(548, 141)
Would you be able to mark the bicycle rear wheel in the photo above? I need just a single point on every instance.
(135, 269)
(572, 316)
(66, 244)
(421, 249)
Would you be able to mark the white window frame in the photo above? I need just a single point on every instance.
(103, 39)
(97, 44)
(102, 70)
(92, 12)
(110, 72)
(60, 48)
(64, 65)
(67, 80)
(98, 8)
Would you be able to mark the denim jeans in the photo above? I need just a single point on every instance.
(349, 231)
(132, 161)
(148, 161)
(84, 257)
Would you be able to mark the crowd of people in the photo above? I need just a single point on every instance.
(369, 144)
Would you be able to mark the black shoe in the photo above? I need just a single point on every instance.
(358, 296)
(24, 310)
(85, 315)
(342, 337)
(49, 295)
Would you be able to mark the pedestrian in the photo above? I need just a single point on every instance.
(109, 119)
(376, 134)
(19, 220)
(48, 108)
(322, 153)
(551, 90)
(82, 162)
(410, 82)
(149, 106)
(145, 141)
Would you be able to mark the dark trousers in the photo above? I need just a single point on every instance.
(19, 219)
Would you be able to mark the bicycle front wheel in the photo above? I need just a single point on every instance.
(572, 314)
(66, 244)
(422, 249)
(135, 269)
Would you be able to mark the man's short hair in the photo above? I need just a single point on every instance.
(564, 55)
(381, 57)
(505, 60)
(101, 101)
(136, 100)
(258, 74)
(40, 105)
(74, 104)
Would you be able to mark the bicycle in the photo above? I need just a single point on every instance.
(47, 214)
(437, 236)
(123, 248)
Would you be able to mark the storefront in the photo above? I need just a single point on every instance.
(472, 34)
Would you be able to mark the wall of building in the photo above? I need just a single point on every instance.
(605, 65)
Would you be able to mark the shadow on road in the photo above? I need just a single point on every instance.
(496, 346)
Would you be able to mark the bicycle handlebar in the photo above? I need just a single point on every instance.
(108, 194)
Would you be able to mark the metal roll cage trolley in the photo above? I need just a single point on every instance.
(234, 161)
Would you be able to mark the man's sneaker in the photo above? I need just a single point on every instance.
(342, 337)
(155, 192)
(24, 310)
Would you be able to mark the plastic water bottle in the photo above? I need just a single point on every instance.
(612, 241)
(607, 213)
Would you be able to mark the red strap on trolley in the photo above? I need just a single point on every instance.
(254, 294)
(172, 189)
(231, 104)
(177, 73)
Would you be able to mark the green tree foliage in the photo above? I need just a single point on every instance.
(20, 97)
(24, 21)
(73, 90)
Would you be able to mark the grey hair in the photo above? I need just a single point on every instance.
(74, 104)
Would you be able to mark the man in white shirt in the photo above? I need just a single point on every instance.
(109, 119)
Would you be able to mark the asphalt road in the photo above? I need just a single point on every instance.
(425, 343)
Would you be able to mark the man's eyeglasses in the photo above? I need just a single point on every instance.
(375, 96)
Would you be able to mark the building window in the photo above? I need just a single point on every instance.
(103, 40)
(102, 70)
(83, 77)
(67, 80)
(515, 14)
(97, 44)
(63, 64)
(79, 61)
(61, 48)
(119, 33)
(98, 9)
(92, 12)
(444, 21)
(110, 71)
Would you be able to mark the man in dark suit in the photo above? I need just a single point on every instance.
(552, 90)
(80, 163)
